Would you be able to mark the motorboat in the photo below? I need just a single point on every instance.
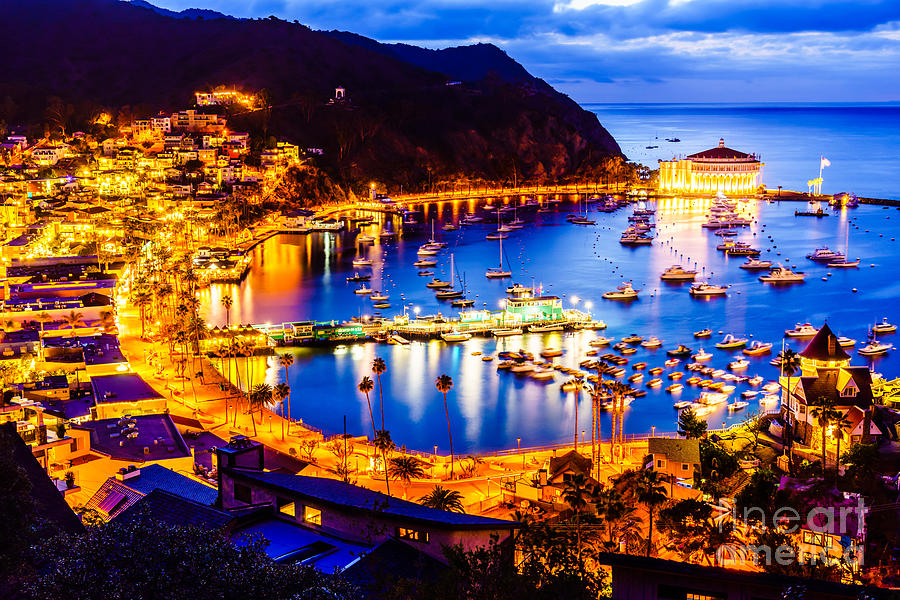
(551, 353)
(449, 294)
(769, 399)
(362, 262)
(655, 383)
(652, 342)
(703, 333)
(600, 342)
(771, 387)
(594, 325)
(544, 328)
(757, 348)
(543, 374)
(845, 342)
(781, 274)
(357, 277)
(703, 289)
(636, 378)
(712, 398)
(506, 332)
(758, 379)
(675, 376)
(675, 388)
(738, 405)
(639, 366)
(655, 370)
(487, 358)
(630, 239)
(456, 336)
(425, 273)
(424, 263)
(379, 297)
(362, 291)
(739, 364)
(681, 351)
(672, 362)
(426, 251)
(622, 292)
(517, 289)
(702, 355)
(754, 264)
(678, 273)
(730, 342)
(632, 339)
(462, 303)
(437, 284)
(522, 368)
(681, 404)
(365, 239)
(380, 305)
(742, 249)
(450, 227)
(875, 348)
(824, 254)
(802, 330)
(884, 327)
(749, 394)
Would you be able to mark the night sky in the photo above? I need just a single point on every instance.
(646, 50)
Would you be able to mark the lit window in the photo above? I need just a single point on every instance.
(312, 516)
(849, 392)
(413, 535)
(286, 507)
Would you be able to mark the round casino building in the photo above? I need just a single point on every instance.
(719, 169)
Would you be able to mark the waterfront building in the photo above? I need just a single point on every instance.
(719, 169)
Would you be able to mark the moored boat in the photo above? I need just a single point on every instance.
(678, 273)
(802, 330)
(730, 342)
(757, 348)
(622, 292)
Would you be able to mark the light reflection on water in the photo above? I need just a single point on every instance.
(303, 277)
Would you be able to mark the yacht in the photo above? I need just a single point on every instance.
(455, 336)
(426, 250)
(506, 332)
(712, 398)
(703, 289)
(498, 272)
(742, 249)
(462, 303)
(362, 262)
(802, 330)
(652, 342)
(703, 333)
(357, 277)
(884, 327)
(702, 355)
(582, 221)
(754, 264)
(875, 348)
(425, 262)
(682, 404)
(362, 291)
(632, 339)
(635, 240)
(544, 328)
(730, 342)
(623, 292)
(379, 297)
(438, 284)
(738, 405)
(678, 273)
(600, 342)
(739, 364)
(517, 289)
(824, 254)
(449, 294)
(782, 275)
(845, 342)
(757, 348)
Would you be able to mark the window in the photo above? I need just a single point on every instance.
(243, 493)
(660, 463)
(312, 516)
(673, 592)
(849, 392)
(286, 507)
(684, 466)
(802, 409)
(413, 535)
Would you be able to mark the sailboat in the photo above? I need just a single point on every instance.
(463, 302)
(845, 263)
(498, 272)
(433, 242)
(516, 223)
(451, 292)
(501, 230)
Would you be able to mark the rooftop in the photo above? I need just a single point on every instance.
(122, 387)
(158, 477)
(160, 505)
(721, 152)
(824, 347)
(685, 451)
(140, 439)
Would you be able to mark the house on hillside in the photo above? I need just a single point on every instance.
(672, 457)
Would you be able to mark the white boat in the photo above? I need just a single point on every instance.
(544, 328)
(456, 336)
(522, 368)
(362, 291)
(769, 399)
(703, 289)
(843, 263)
(824, 254)
(425, 262)
(652, 342)
(749, 394)
(678, 273)
(379, 297)
(758, 379)
(712, 398)
(426, 251)
(738, 405)
(845, 342)
(739, 364)
(362, 262)
(437, 284)
(875, 348)
(506, 332)
(682, 404)
(594, 325)
(781, 274)
(884, 327)
(600, 342)
(771, 387)
(730, 342)
(702, 355)
(543, 374)
(623, 292)
(802, 330)
(754, 264)
(365, 239)
(517, 289)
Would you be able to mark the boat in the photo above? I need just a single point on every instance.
(739, 364)
(425, 273)
(456, 336)
(749, 394)
(884, 327)
(712, 398)
(600, 342)
(594, 325)
(769, 399)
(742, 249)
(681, 351)
(675, 388)
(655, 383)
(379, 297)
(450, 227)
(757, 348)
(551, 353)
(462, 303)
(362, 291)
(843, 263)
(802, 330)
(678, 273)
(544, 328)
(397, 339)
(652, 342)
(672, 362)
(362, 262)
(498, 272)
(703, 290)
(517, 289)
(437, 284)
(448, 294)
(703, 333)
(425, 262)
(622, 292)
(632, 339)
(771, 387)
(738, 405)
(380, 305)
(655, 370)
(633, 239)
(495, 236)
(845, 342)
(636, 378)
(506, 332)
(426, 251)
(754, 264)
(824, 254)
(875, 348)
(357, 277)
(781, 274)
(543, 374)
(522, 368)
(487, 358)
(676, 375)
(702, 355)
(729, 342)
(682, 404)
(365, 239)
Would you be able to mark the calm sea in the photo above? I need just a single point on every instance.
(861, 141)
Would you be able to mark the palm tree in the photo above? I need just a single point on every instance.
(73, 320)
(612, 508)
(286, 360)
(825, 413)
(142, 299)
(406, 468)
(279, 393)
(790, 364)
(378, 367)
(260, 397)
(444, 384)
(44, 317)
(575, 494)
(443, 499)
(384, 444)
(841, 423)
(575, 381)
(651, 493)
(227, 302)
(108, 321)
(366, 386)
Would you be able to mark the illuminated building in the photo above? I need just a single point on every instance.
(718, 169)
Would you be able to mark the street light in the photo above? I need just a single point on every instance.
(519, 450)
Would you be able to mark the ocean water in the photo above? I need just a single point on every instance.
(299, 277)
(861, 141)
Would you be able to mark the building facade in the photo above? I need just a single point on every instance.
(718, 169)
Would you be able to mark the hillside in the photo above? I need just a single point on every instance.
(405, 125)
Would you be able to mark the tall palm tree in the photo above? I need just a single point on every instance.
(612, 508)
(73, 320)
(576, 494)
(444, 384)
(790, 364)
(651, 493)
(365, 386)
(227, 302)
(576, 381)
(841, 423)
(384, 444)
(142, 299)
(405, 469)
(279, 393)
(378, 368)
(42, 318)
(286, 360)
(443, 499)
(825, 413)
